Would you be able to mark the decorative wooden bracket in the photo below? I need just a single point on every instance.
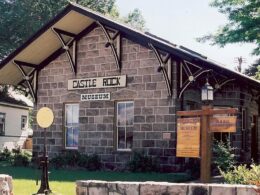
(220, 84)
(114, 42)
(66, 46)
(191, 72)
(30, 79)
(163, 62)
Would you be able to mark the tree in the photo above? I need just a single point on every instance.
(253, 69)
(19, 19)
(243, 25)
(135, 19)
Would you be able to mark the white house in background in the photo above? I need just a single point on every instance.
(14, 117)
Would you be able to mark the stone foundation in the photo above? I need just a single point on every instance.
(6, 186)
(92, 187)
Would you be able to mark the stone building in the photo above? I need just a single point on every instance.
(115, 90)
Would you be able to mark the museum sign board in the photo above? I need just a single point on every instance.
(188, 137)
(95, 96)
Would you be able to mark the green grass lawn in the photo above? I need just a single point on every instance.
(62, 182)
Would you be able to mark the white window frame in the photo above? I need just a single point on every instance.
(65, 127)
(122, 149)
(25, 122)
(4, 117)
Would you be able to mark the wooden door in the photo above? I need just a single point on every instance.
(254, 138)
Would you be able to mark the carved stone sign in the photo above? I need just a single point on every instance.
(95, 96)
(223, 124)
(98, 82)
(188, 137)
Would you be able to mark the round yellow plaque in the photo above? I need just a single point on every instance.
(44, 117)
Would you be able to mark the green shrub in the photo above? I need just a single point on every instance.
(143, 163)
(242, 175)
(93, 163)
(21, 158)
(83, 160)
(223, 155)
(58, 161)
(72, 158)
(75, 159)
(16, 157)
(5, 155)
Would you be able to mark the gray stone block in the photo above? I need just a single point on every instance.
(221, 189)
(148, 143)
(146, 127)
(162, 188)
(247, 190)
(139, 119)
(198, 189)
(123, 188)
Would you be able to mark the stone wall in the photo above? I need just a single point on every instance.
(154, 111)
(92, 187)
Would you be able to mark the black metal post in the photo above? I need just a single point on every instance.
(44, 189)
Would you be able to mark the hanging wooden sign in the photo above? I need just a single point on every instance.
(223, 124)
(98, 82)
(188, 137)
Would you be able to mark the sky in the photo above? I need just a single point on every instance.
(182, 21)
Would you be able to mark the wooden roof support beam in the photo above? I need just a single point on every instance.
(114, 42)
(186, 69)
(219, 85)
(190, 80)
(162, 67)
(66, 46)
(30, 80)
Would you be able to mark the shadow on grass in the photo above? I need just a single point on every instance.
(73, 175)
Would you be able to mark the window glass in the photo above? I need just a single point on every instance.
(121, 114)
(71, 126)
(244, 119)
(124, 125)
(23, 122)
(222, 136)
(2, 123)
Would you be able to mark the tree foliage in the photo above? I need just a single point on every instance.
(254, 70)
(243, 25)
(135, 19)
(19, 19)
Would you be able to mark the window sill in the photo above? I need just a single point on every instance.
(124, 150)
(70, 149)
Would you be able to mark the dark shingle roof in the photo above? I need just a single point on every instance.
(6, 98)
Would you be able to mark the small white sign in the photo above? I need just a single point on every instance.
(98, 82)
(95, 96)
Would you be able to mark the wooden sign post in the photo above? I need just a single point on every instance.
(225, 124)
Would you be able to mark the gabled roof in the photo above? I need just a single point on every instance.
(7, 100)
(43, 46)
